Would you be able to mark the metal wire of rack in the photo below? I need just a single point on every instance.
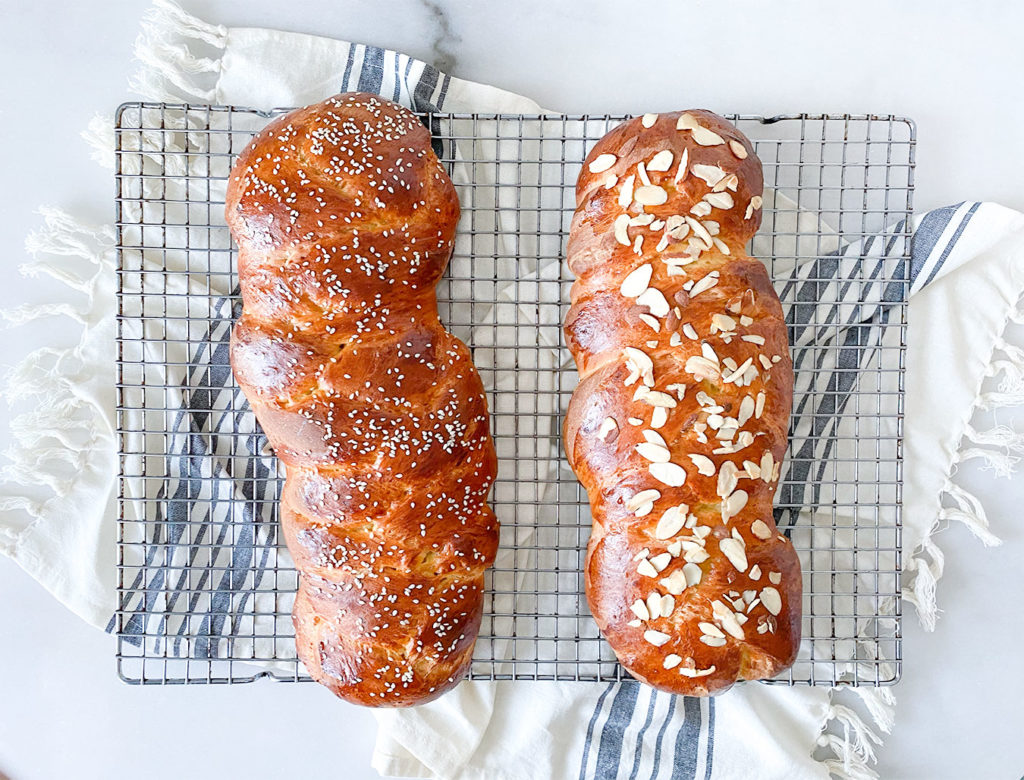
(204, 582)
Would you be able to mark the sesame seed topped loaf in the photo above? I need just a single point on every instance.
(678, 426)
(345, 222)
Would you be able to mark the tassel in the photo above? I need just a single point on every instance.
(926, 566)
(989, 401)
(99, 135)
(1002, 464)
(970, 512)
(1016, 354)
(169, 69)
(853, 750)
(19, 315)
(171, 16)
(881, 703)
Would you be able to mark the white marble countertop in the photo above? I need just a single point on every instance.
(953, 67)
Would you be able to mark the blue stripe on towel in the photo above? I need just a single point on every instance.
(609, 749)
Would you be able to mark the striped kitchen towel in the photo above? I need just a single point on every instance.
(967, 259)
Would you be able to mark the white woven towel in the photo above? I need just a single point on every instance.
(967, 260)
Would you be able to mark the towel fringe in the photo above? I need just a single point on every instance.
(881, 703)
(171, 69)
(99, 135)
(853, 750)
(54, 442)
(1000, 449)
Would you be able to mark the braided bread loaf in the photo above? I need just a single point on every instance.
(345, 221)
(678, 427)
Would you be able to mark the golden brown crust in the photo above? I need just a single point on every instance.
(691, 583)
(345, 221)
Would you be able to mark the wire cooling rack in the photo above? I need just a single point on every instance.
(204, 581)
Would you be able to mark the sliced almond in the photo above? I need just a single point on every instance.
(653, 323)
(682, 169)
(759, 405)
(657, 398)
(727, 619)
(696, 556)
(720, 200)
(662, 161)
(602, 163)
(734, 551)
(692, 574)
(654, 300)
(701, 209)
(621, 227)
(648, 120)
(661, 561)
(775, 577)
(640, 365)
(607, 428)
(659, 416)
(760, 529)
(637, 500)
(754, 205)
(650, 195)
(767, 465)
(728, 476)
(641, 172)
(699, 231)
(730, 182)
(738, 149)
(670, 523)
(712, 641)
(706, 137)
(746, 409)
(637, 280)
(656, 638)
(753, 338)
(667, 605)
(733, 505)
(640, 609)
(704, 464)
(707, 350)
(641, 219)
(704, 284)
(672, 661)
(675, 583)
(754, 573)
(700, 134)
(645, 568)
(710, 629)
(721, 246)
(653, 452)
(626, 191)
(711, 174)
(752, 470)
(654, 605)
(702, 368)
(670, 474)
(732, 376)
(722, 322)
(772, 600)
(687, 672)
